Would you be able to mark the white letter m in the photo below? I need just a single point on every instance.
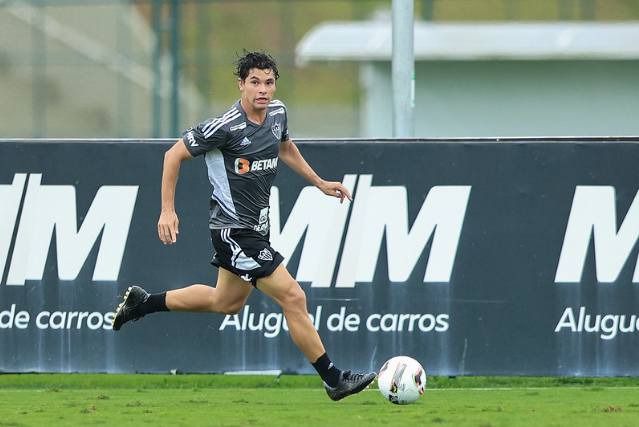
(49, 207)
(594, 214)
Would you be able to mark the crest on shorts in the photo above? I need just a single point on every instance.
(277, 130)
(265, 255)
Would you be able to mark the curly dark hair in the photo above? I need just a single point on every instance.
(260, 60)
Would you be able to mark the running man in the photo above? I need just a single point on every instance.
(242, 148)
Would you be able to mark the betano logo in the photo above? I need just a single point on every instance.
(376, 213)
(37, 210)
(243, 166)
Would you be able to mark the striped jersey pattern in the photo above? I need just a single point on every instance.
(212, 126)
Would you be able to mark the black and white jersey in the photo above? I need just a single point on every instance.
(241, 158)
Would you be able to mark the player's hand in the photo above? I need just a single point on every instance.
(168, 227)
(335, 189)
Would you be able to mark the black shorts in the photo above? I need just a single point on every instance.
(244, 252)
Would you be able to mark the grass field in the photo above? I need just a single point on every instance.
(223, 400)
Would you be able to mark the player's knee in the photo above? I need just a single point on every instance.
(232, 309)
(295, 298)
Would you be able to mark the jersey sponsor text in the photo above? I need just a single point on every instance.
(243, 166)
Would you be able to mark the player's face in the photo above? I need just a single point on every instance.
(258, 88)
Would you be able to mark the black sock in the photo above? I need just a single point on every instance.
(154, 303)
(326, 370)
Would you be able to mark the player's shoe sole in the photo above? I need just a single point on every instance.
(134, 296)
(349, 384)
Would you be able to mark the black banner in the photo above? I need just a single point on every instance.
(476, 257)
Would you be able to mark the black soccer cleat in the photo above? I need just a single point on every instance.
(134, 296)
(349, 384)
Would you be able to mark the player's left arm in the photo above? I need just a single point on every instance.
(290, 154)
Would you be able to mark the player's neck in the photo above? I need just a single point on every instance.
(254, 115)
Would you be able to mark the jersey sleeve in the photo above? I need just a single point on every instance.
(204, 137)
(285, 135)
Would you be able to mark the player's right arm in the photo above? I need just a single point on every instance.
(168, 222)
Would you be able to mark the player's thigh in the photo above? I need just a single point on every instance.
(282, 288)
(231, 291)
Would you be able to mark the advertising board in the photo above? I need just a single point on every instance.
(475, 257)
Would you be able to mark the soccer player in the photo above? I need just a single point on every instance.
(242, 148)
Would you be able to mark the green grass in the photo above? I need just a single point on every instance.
(218, 400)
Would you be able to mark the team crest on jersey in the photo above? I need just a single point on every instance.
(277, 130)
(265, 255)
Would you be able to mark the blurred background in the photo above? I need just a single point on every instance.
(152, 68)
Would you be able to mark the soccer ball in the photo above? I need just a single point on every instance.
(401, 380)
